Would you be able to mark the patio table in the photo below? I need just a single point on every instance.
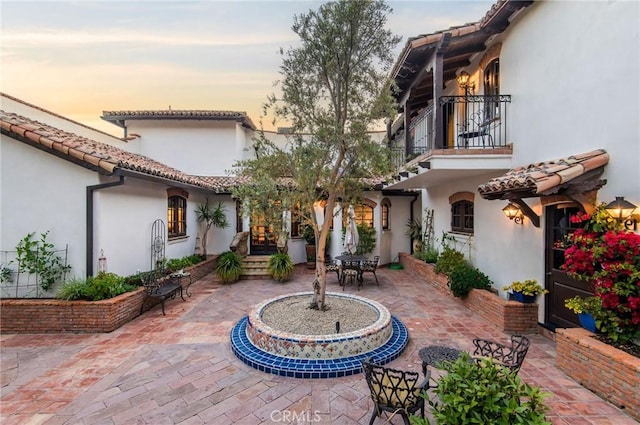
(347, 257)
(435, 354)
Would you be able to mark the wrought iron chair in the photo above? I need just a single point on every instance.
(395, 391)
(370, 266)
(508, 356)
(332, 266)
(352, 271)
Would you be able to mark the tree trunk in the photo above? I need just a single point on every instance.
(320, 282)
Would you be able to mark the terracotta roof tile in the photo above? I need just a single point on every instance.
(101, 155)
(542, 176)
(193, 114)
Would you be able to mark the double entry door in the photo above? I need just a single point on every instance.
(262, 240)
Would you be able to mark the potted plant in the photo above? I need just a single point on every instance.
(229, 267)
(414, 231)
(585, 308)
(525, 291)
(280, 266)
(310, 238)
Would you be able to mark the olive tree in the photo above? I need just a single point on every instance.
(334, 89)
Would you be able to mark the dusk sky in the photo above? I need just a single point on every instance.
(79, 58)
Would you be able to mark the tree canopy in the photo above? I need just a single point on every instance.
(334, 88)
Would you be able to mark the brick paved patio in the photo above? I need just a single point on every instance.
(179, 369)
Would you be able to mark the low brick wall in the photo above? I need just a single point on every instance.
(47, 315)
(509, 316)
(58, 316)
(610, 373)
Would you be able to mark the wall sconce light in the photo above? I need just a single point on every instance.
(513, 213)
(464, 83)
(621, 210)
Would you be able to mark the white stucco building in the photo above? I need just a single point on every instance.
(548, 90)
(96, 193)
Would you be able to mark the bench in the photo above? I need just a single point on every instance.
(160, 286)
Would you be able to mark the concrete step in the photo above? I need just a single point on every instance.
(255, 267)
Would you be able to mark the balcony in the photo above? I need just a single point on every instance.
(471, 122)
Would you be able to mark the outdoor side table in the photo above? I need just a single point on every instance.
(183, 276)
(434, 354)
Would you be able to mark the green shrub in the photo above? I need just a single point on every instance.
(464, 277)
(101, 287)
(175, 264)
(367, 239)
(133, 280)
(449, 260)
(229, 267)
(280, 266)
(428, 256)
(484, 393)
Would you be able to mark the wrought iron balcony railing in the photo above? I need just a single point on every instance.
(468, 122)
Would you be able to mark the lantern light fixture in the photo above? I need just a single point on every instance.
(464, 81)
(513, 213)
(621, 210)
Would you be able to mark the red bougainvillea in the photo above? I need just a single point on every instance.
(609, 258)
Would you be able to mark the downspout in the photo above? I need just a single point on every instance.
(415, 198)
(89, 220)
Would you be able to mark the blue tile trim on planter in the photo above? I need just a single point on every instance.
(315, 368)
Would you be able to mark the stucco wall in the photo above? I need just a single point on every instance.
(124, 219)
(43, 193)
(196, 147)
(573, 71)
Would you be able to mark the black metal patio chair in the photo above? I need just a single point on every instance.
(370, 266)
(509, 356)
(395, 391)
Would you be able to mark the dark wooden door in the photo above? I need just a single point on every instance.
(262, 237)
(559, 284)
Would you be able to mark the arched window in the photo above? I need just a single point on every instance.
(462, 212)
(177, 216)
(462, 217)
(385, 205)
(363, 212)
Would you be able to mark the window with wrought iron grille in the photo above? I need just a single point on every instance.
(176, 216)
(462, 217)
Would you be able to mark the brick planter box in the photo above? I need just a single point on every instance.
(510, 316)
(612, 374)
(57, 316)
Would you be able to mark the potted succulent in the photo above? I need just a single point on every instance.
(414, 231)
(585, 308)
(525, 291)
(229, 267)
(280, 266)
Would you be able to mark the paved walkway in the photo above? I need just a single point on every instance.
(179, 369)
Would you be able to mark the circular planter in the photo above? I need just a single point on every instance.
(317, 356)
(330, 346)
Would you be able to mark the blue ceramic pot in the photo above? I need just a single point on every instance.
(526, 299)
(587, 321)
